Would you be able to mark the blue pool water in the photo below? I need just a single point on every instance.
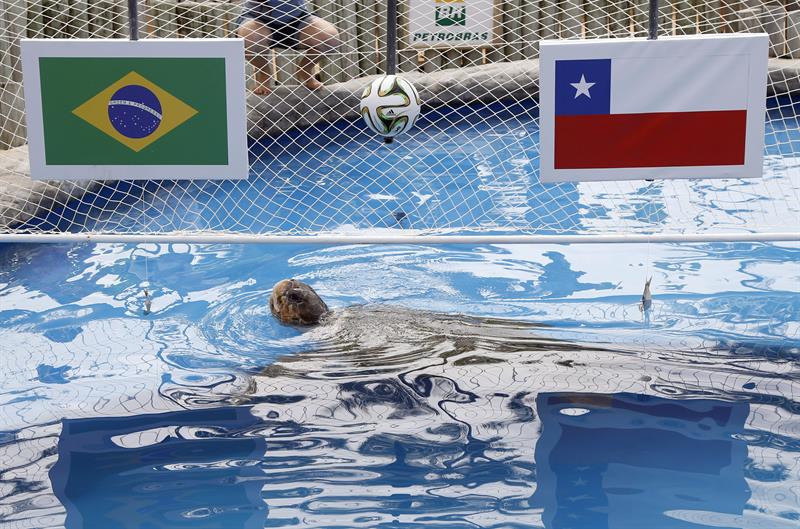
(468, 169)
(494, 386)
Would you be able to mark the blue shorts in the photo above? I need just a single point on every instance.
(285, 31)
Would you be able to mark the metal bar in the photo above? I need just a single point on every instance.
(653, 27)
(391, 37)
(341, 239)
(133, 19)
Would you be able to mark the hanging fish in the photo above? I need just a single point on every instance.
(647, 297)
(148, 302)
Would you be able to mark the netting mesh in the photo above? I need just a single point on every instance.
(471, 164)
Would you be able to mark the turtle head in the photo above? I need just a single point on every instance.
(295, 303)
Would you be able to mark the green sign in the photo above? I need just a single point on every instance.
(134, 111)
(127, 112)
(452, 23)
(451, 15)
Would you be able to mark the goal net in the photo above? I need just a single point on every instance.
(469, 167)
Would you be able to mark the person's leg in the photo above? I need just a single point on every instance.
(317, 37)
(256, 37)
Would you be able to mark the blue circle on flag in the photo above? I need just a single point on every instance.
(134, 111)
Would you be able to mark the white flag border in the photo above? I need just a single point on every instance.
(753, 45)
(231, 50)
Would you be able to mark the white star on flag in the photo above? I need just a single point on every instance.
(582, 87)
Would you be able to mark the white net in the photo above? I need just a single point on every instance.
(469, 167)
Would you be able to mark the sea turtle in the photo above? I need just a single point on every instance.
(383, 331)
(295, 303)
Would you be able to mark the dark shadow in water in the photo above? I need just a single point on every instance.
(176, 469)
(559, 280)
(624, 461)
(603, 461)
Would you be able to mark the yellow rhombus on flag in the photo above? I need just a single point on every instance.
(174, 111)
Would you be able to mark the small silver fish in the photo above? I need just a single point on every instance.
(148, 302)
(647, 297)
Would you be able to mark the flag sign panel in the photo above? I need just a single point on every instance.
(677, 107)
(148, 109)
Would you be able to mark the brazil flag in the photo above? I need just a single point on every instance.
(134, 111)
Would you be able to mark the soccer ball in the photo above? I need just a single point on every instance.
(390, 105)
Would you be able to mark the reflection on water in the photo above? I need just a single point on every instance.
(629, 460)
(603, 460)
(550, 399)
(176, 469)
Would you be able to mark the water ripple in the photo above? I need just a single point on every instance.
(400, 410)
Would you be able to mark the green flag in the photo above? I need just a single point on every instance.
(134, 111)
(150, 109)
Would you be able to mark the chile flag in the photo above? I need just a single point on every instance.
(673, 108)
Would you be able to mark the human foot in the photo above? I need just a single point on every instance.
(312, 84)
(262, 83)
(261, 90)
(306, 74)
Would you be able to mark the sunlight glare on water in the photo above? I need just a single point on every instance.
(489, 386)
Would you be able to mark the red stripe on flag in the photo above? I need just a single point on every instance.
(663, 139)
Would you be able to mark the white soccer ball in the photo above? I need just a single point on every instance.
(390, 105)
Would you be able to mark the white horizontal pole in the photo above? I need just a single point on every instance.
(342, 239)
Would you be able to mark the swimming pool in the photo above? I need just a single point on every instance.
(468, 169)
(457, 386)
